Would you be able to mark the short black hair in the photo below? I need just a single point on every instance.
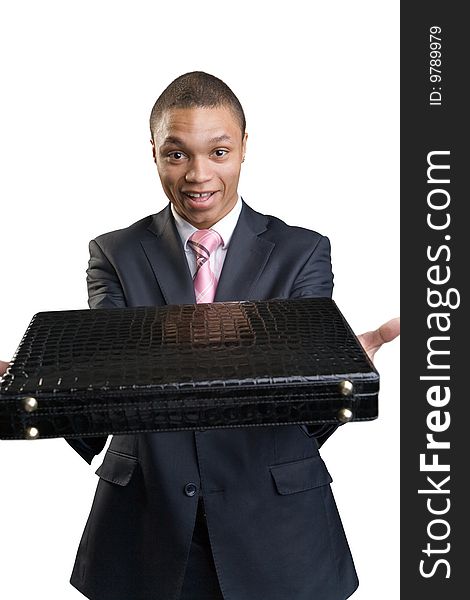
(197, 90)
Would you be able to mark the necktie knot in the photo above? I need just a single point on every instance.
(203, 243)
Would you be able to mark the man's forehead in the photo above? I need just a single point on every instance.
(174, 139)
(214, 125)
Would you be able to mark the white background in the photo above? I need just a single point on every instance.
(319, 84)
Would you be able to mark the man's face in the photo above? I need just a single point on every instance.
(198, 153)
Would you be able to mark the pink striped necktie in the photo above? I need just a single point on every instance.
(203, 242)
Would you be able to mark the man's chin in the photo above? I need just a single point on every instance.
(203, 213)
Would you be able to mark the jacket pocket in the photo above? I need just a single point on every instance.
(117, 468)
(300, 475)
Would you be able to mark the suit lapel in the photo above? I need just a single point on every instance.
(246, 257)
(244, 262)
(166, 256)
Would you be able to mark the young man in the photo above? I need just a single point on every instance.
(239, 514)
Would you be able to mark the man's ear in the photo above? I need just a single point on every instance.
(154, 152)
(245, 137)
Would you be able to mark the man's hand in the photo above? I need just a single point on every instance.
(3, 367)
(372, 340)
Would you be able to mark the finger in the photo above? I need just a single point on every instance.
(3, 367)
(389, 330)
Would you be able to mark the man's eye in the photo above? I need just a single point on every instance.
(176, 155)
(219, 152)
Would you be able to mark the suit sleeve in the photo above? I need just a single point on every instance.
(104, 288)
(104, 291)
(316, 279)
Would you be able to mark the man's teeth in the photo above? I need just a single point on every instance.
(205, 195)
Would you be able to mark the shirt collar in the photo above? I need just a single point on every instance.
(224, 227)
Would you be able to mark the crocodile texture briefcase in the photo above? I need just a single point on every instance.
(192, 366)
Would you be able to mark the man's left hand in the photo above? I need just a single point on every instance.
(372, 340)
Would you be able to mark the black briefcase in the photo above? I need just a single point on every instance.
(193, 366)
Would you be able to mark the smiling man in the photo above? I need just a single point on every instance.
(198, 152)
(238, 514)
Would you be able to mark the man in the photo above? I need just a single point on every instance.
(238, 514)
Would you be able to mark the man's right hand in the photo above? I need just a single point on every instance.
(3, 367)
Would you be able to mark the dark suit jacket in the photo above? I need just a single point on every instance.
(274, 528)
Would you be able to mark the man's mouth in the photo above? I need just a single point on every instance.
(199, 196)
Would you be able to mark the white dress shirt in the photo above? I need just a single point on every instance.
(224, 228)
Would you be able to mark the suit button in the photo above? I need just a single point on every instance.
(190, 489)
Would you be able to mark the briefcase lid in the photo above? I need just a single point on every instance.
(191, 366)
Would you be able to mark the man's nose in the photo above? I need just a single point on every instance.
(199, 171)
